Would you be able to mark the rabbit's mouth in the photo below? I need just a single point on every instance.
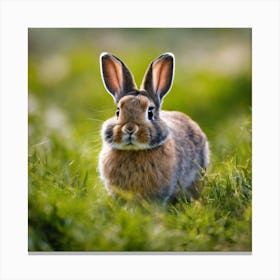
(129, 142)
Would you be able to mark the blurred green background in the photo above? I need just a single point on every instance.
(69, 209)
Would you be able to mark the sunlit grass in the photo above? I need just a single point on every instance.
(69, 208)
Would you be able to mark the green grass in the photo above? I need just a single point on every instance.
(70, 210)
(68, 207)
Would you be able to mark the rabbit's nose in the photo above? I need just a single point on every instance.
(129, 128)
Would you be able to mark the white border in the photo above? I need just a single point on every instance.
(17, 16)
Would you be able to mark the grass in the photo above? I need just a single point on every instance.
(69, 209)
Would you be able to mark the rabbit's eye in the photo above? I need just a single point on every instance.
(118, 112)
(151, 113)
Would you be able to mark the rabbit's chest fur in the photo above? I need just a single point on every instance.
(145, 172)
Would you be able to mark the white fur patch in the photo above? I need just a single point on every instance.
(134, 146)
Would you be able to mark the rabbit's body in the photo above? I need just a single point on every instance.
(147, 152)
(142, 176)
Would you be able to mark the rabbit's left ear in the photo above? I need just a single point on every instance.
(117, 78)
(159, 76)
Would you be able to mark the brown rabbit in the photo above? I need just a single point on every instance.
(147, 152)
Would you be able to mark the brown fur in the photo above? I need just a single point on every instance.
(147, 173)
(133, 109)
(132, 112)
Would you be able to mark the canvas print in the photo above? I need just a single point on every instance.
(139, 140)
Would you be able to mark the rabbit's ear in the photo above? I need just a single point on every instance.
(116, 76)
(159, 76)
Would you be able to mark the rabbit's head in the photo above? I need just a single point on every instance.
(137, 124)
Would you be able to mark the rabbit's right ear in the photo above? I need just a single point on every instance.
(116, 77)
(159, 75)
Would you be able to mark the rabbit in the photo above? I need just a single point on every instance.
(147, 152)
